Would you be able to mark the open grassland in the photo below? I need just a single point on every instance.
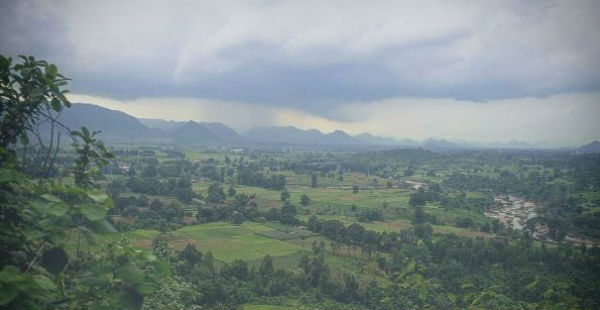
(324, 198)
(350, 179)
(269, 307)
(347, 261)
(229, 242)
(195, 156)
(398, 225)
(252, 241)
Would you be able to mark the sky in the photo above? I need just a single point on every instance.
(487, 71)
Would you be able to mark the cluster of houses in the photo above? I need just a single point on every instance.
(514, 212)
(414, 185)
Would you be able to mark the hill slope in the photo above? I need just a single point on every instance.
(193, 132)
(116, 126)
(593, 147)
(223, 132)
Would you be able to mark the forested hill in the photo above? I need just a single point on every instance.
(120, 127)
(117, 126)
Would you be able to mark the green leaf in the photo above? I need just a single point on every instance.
(43, 283)
(131, 275)
(102, 227)
(55, 103)
(94, 281)
(7, 294)
(4, 63)
(161, 269)
(51, 71)
(38, 206)
(132, 298)
(56, 223)
(57, 209)
(10, 274)
(89, 235)
(99, 198)
(32, 234)
(51, 198)
(93, 212)
(57, 236)
(146, 288)
(137, 278)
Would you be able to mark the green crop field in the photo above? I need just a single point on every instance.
(227, 242)
(268, 307)
(398, 225)
(336, 199)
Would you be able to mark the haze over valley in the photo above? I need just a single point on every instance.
(299, 155)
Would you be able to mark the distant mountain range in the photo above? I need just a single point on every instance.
(120, 127)
(117, 126)
(593, 147)
(293, 135)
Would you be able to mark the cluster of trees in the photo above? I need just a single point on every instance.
(453, 272)
(252, 177)
(199, 281)
(370, 215)
(181, 188)
(562, 206)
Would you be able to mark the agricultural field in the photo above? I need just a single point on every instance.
(227, 242)
(268, 307)
(250, 242)
(325, 199)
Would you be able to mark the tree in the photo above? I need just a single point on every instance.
(36, 271)
(190, 254)
(30, 94)
(149, 171)
(464, 222)
(241, 200)
(184, 195)
(423, 230)
(351, 288)
(288, 208)
(92, 155)
(354, 189)
(417, 199)
(237, 218)
(114, 189)
(215, 193)
(314, 180)
(160, 247)
(231, 191)
(265, 269)
(156, 204)
(285, 195)
(420, 215)
(304, 200)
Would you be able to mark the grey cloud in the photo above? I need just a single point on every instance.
(271, 53)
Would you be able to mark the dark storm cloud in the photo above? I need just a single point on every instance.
(313, 56)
